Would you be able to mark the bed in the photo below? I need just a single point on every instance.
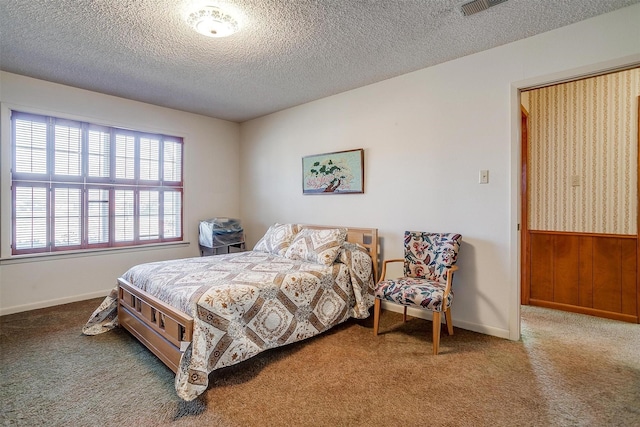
(201, 314)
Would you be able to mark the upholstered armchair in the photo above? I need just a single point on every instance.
(429, 263)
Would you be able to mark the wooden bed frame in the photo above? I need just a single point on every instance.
(167, 331)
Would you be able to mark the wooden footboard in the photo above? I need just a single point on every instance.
(160, 327)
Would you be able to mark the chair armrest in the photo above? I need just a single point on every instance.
(384, 266)
(449, 274)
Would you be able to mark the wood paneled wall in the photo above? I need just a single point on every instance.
(585, 273)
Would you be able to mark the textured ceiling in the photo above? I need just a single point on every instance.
(287, 52)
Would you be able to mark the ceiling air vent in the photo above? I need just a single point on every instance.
(478, 6)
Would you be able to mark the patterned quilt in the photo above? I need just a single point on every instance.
(244, 303)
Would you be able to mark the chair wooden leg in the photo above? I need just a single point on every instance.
(436, 332)
(447, 316)
(404, 314)
(376, 316)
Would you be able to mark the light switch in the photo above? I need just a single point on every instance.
(575, 180)
(484, 176)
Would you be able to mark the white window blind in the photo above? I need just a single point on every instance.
(173, 161)
(149, 159)
(30, 142)
(30, 219)
(125, 156)
(172, 214)
(98, 215)
(68, 151)
(79, 185)
(67, 207)
(124, 216)
(149, 215)
(99, 150)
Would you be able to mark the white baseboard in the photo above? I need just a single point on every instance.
(423, 314)
(51, 303)
(426, 314)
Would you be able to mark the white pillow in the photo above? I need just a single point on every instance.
(277, 239)
(319, 246)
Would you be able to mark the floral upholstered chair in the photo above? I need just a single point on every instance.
(429, 263)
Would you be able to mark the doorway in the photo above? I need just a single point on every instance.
(579, 193)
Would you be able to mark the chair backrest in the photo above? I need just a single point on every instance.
(428, 255)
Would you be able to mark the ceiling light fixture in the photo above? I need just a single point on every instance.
(212, 22)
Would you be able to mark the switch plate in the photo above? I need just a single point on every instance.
(575, 180)
(484, 176)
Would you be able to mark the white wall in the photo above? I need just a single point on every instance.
(211, 188)
(426, 136)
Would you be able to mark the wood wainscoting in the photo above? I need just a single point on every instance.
(592, 274)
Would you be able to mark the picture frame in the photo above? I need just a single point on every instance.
(340, 172)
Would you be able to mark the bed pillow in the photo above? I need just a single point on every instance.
(318, 246)
(277, 239)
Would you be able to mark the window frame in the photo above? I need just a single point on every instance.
(86, 182)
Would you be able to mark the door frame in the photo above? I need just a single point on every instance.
(525, 247)
(638, 213)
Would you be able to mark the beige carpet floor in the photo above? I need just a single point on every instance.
(568, 370)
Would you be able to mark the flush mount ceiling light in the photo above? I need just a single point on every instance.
(212, 22)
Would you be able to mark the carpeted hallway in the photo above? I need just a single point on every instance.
(568, 370)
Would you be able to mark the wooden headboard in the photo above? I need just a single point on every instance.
(366, 237)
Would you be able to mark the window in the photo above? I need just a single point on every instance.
(77, 185)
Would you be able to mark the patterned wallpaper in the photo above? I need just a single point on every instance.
(583, 140)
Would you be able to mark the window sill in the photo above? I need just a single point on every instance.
(17, 259)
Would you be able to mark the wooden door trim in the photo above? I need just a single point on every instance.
(638, 215)
(525, 247)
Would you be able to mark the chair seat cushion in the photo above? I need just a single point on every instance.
(409, 291)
